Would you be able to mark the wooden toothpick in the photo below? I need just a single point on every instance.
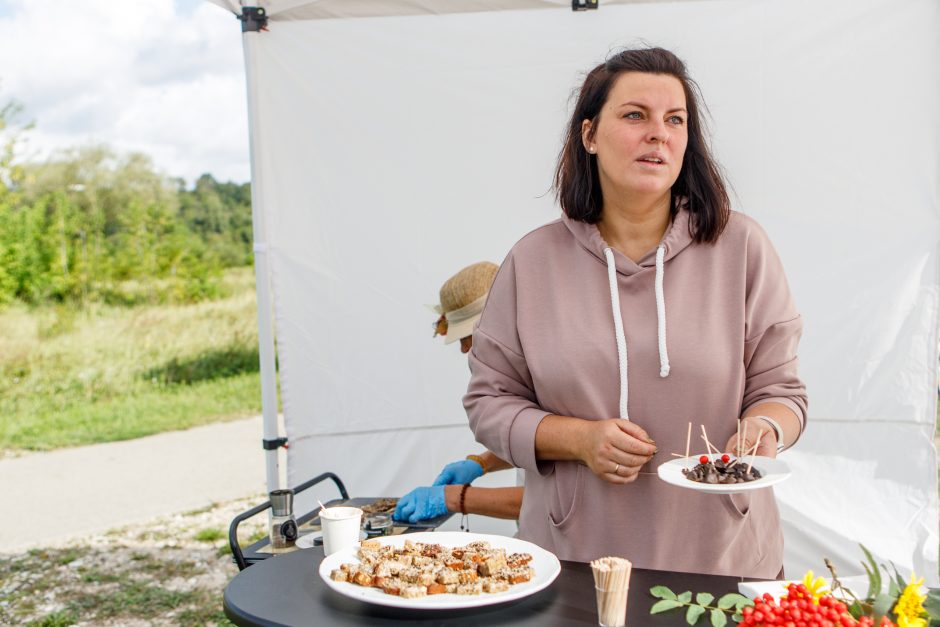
(688, 438)
(742, 444)
(708, 446)
(753, 450)
(705, 437)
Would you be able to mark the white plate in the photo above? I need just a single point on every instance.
(772, 471)
(546, 567)
(857, 584)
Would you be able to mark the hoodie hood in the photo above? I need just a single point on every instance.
(676, 239)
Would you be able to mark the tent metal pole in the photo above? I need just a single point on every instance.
(262, 272)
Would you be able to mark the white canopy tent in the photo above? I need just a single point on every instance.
(392, 149)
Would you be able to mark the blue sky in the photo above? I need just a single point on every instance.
(164, 77)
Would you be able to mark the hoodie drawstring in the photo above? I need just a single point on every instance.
(661, 313)
(618, 328)
(618, 322)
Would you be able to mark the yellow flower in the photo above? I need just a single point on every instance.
(816, 587)
(910, 606)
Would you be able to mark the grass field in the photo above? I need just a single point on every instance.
(72, 376)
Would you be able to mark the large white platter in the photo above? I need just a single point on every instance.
(546, 567)
(772, 471)
(857, 584)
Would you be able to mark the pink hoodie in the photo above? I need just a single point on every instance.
(717, 336)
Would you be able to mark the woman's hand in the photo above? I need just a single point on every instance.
(421, 504)
(738, 445)
(615, 449)
(464, 471)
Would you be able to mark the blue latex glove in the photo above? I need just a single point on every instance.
(458, 473)
(421, 504)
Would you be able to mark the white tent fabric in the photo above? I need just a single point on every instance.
(345, 9)
(391, 150)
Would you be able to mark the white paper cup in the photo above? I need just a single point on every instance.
(340, 527)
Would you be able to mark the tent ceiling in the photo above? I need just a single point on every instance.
(330, 9)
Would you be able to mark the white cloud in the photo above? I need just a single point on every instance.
(156, 76)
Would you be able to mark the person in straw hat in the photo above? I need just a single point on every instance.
(462, 298)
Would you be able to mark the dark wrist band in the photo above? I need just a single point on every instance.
(463, 495)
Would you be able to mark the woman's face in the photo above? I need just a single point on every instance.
(640, 135)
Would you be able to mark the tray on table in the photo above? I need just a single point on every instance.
(310, 522)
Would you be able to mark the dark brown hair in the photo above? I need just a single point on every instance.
(577, 185)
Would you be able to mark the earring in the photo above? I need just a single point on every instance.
(592, 150)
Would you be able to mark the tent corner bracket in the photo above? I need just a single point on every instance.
(274, 444)
(584, 5)
(253, 19)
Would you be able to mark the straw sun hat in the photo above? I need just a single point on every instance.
(462, 298)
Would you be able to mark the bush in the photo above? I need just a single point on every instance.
(90, 225)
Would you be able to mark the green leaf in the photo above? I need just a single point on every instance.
(856, 610)
(893, 590)
(900, 580)
(718, 618)
(685, 597)
(932, 604)
(882, 605)
(662, 592)
(738, 618)
(692, 616)
(733, 599)
(664, 606)
(704, 598)
(740, 605)
(874, 573)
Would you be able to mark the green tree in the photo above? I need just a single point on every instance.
(220, 213)
(91, 223)
(11, 130)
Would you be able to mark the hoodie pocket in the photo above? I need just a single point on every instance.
(568, 488)
(748, 550)
(738, 504)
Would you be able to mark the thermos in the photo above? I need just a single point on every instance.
(283, 525)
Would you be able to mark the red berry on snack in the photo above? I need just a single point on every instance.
(726, 458)
(703, 459)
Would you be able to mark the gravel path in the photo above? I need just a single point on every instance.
(169, 571)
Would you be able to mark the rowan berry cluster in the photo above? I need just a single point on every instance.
(797, 609)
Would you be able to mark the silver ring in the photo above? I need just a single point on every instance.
(617, 470)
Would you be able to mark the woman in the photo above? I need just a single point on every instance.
(649, 305)
(462, 298)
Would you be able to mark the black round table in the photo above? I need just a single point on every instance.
(287, 590)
